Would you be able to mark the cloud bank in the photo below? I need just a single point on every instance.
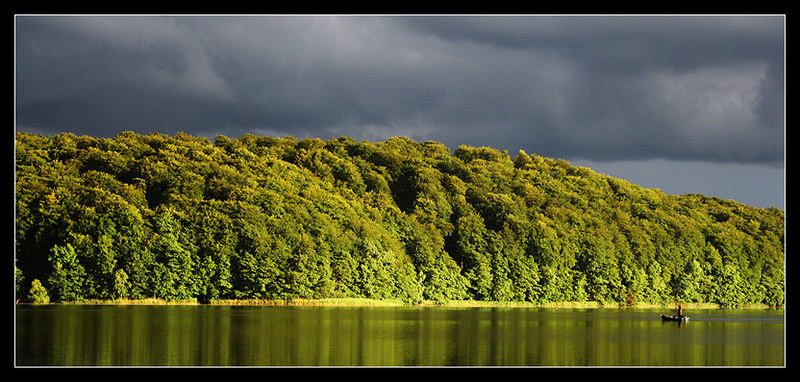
(707, 88)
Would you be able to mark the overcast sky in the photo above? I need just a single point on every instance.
(687, 104)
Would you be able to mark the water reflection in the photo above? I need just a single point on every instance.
(415, 336)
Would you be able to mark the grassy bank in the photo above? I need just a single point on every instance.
(370, 302)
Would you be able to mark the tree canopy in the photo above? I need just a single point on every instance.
(182, 217)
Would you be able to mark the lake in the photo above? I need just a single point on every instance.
(212, 335)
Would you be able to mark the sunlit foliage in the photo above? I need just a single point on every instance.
(182, 217)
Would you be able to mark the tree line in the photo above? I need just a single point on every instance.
(181, 217)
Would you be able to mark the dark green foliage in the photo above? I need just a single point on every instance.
(68, 278)
(183, 217)
(19, 281)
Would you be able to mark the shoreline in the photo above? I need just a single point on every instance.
(363, 302)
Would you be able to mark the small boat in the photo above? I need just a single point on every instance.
(664, 317)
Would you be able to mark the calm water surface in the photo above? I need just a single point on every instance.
(89, 335)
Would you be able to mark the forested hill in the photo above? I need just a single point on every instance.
(181, 217)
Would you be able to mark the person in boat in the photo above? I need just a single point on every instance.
(680, 310)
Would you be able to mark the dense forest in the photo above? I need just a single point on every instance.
(182, 217)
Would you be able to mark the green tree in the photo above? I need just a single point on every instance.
(68, 277)
(657, 290)
(18, 280)
(772, 286)
(522, 159)
(121, 284)
(635, 283)
(37, 293)
(731, 287)
(692, 283)
(176, 275)
(378, 272)
(470, 251)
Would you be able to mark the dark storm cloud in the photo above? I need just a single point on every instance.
(624, 44)
(639, 87)
(598, 88)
